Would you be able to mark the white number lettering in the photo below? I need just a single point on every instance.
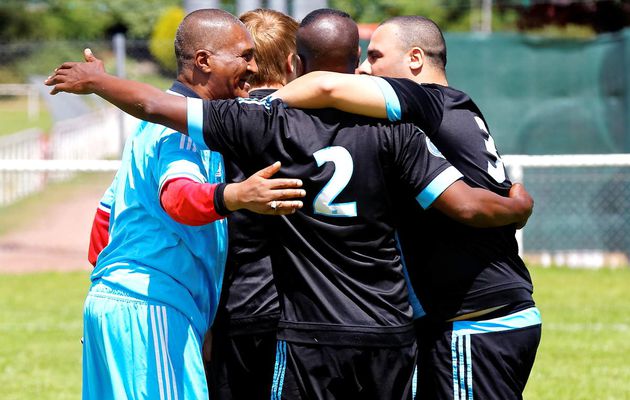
(496, 171)
(344, 167)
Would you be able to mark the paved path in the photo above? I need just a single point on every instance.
(56, 242)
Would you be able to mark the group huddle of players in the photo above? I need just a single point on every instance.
(385, 266)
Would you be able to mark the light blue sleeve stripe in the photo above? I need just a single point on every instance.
(195, 122)
(392, 103)
(517, 320)
(437, 186)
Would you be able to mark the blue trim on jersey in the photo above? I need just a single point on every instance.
(279, 370)
(438, 185)
(392, 103)
(195, 121)
(416, 306)
(521, 319)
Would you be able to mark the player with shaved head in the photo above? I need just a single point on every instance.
(328, 40)
(160, 254)
(481, 331)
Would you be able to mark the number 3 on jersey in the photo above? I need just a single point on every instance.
(323, 203)
(497, 171)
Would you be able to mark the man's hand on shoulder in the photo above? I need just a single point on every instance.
(263, 195)
(76, 77)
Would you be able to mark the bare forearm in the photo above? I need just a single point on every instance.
(351, 93)
(138, 99)
(487, 209)
(142, 101)
(482, 208)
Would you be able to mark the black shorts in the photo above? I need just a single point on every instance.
(241, 367)
(326, 372)
(486, 359)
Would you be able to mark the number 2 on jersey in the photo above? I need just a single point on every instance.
(344, 167)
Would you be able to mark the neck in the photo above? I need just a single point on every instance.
(431, 76)
(268, 86)
(188, 78)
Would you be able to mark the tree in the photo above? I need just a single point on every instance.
(161, 43)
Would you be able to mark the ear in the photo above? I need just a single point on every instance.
(203, 61)
(299, 66)
(290, 68)
(416, 58)
(291, 64)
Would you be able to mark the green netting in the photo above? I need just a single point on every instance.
(551, 96)
(547, 96)
(544, 96)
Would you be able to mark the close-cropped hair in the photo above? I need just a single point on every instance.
(194, 31)
(320, 13)
(422, 32)
(274, 39)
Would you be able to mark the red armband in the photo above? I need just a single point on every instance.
(189, 202)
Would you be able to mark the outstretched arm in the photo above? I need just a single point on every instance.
(138, 99)
(358, 94)
(482, 208)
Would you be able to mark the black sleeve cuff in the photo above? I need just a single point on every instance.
(219, 201)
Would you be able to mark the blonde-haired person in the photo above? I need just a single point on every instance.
(244, 334)
(274, 39)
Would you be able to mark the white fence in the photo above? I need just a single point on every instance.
(89, 137)
(29, 145)
(20, 89)
(582, 209)
(581, 214)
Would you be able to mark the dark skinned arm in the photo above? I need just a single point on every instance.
(138, 99)
(484, 209)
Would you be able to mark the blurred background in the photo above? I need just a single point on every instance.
(551, 76)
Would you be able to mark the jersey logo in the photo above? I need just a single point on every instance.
(432, 149)
(219, 172)
(496, 171)
(344, 166)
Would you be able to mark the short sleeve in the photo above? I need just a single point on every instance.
(179, 157)
(420, 104)
(427, 173)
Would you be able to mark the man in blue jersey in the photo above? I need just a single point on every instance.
(481, 333)
(156, 284)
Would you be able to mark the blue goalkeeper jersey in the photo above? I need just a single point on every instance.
(150, 254)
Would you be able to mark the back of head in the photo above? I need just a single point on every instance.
(328, 40)
(202, 29)
(418, 31)
(274, 37)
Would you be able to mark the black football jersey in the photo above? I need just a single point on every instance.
(337, 269)
(456, 269)
(249, 300)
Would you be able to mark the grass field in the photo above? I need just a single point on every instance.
(583, 355)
